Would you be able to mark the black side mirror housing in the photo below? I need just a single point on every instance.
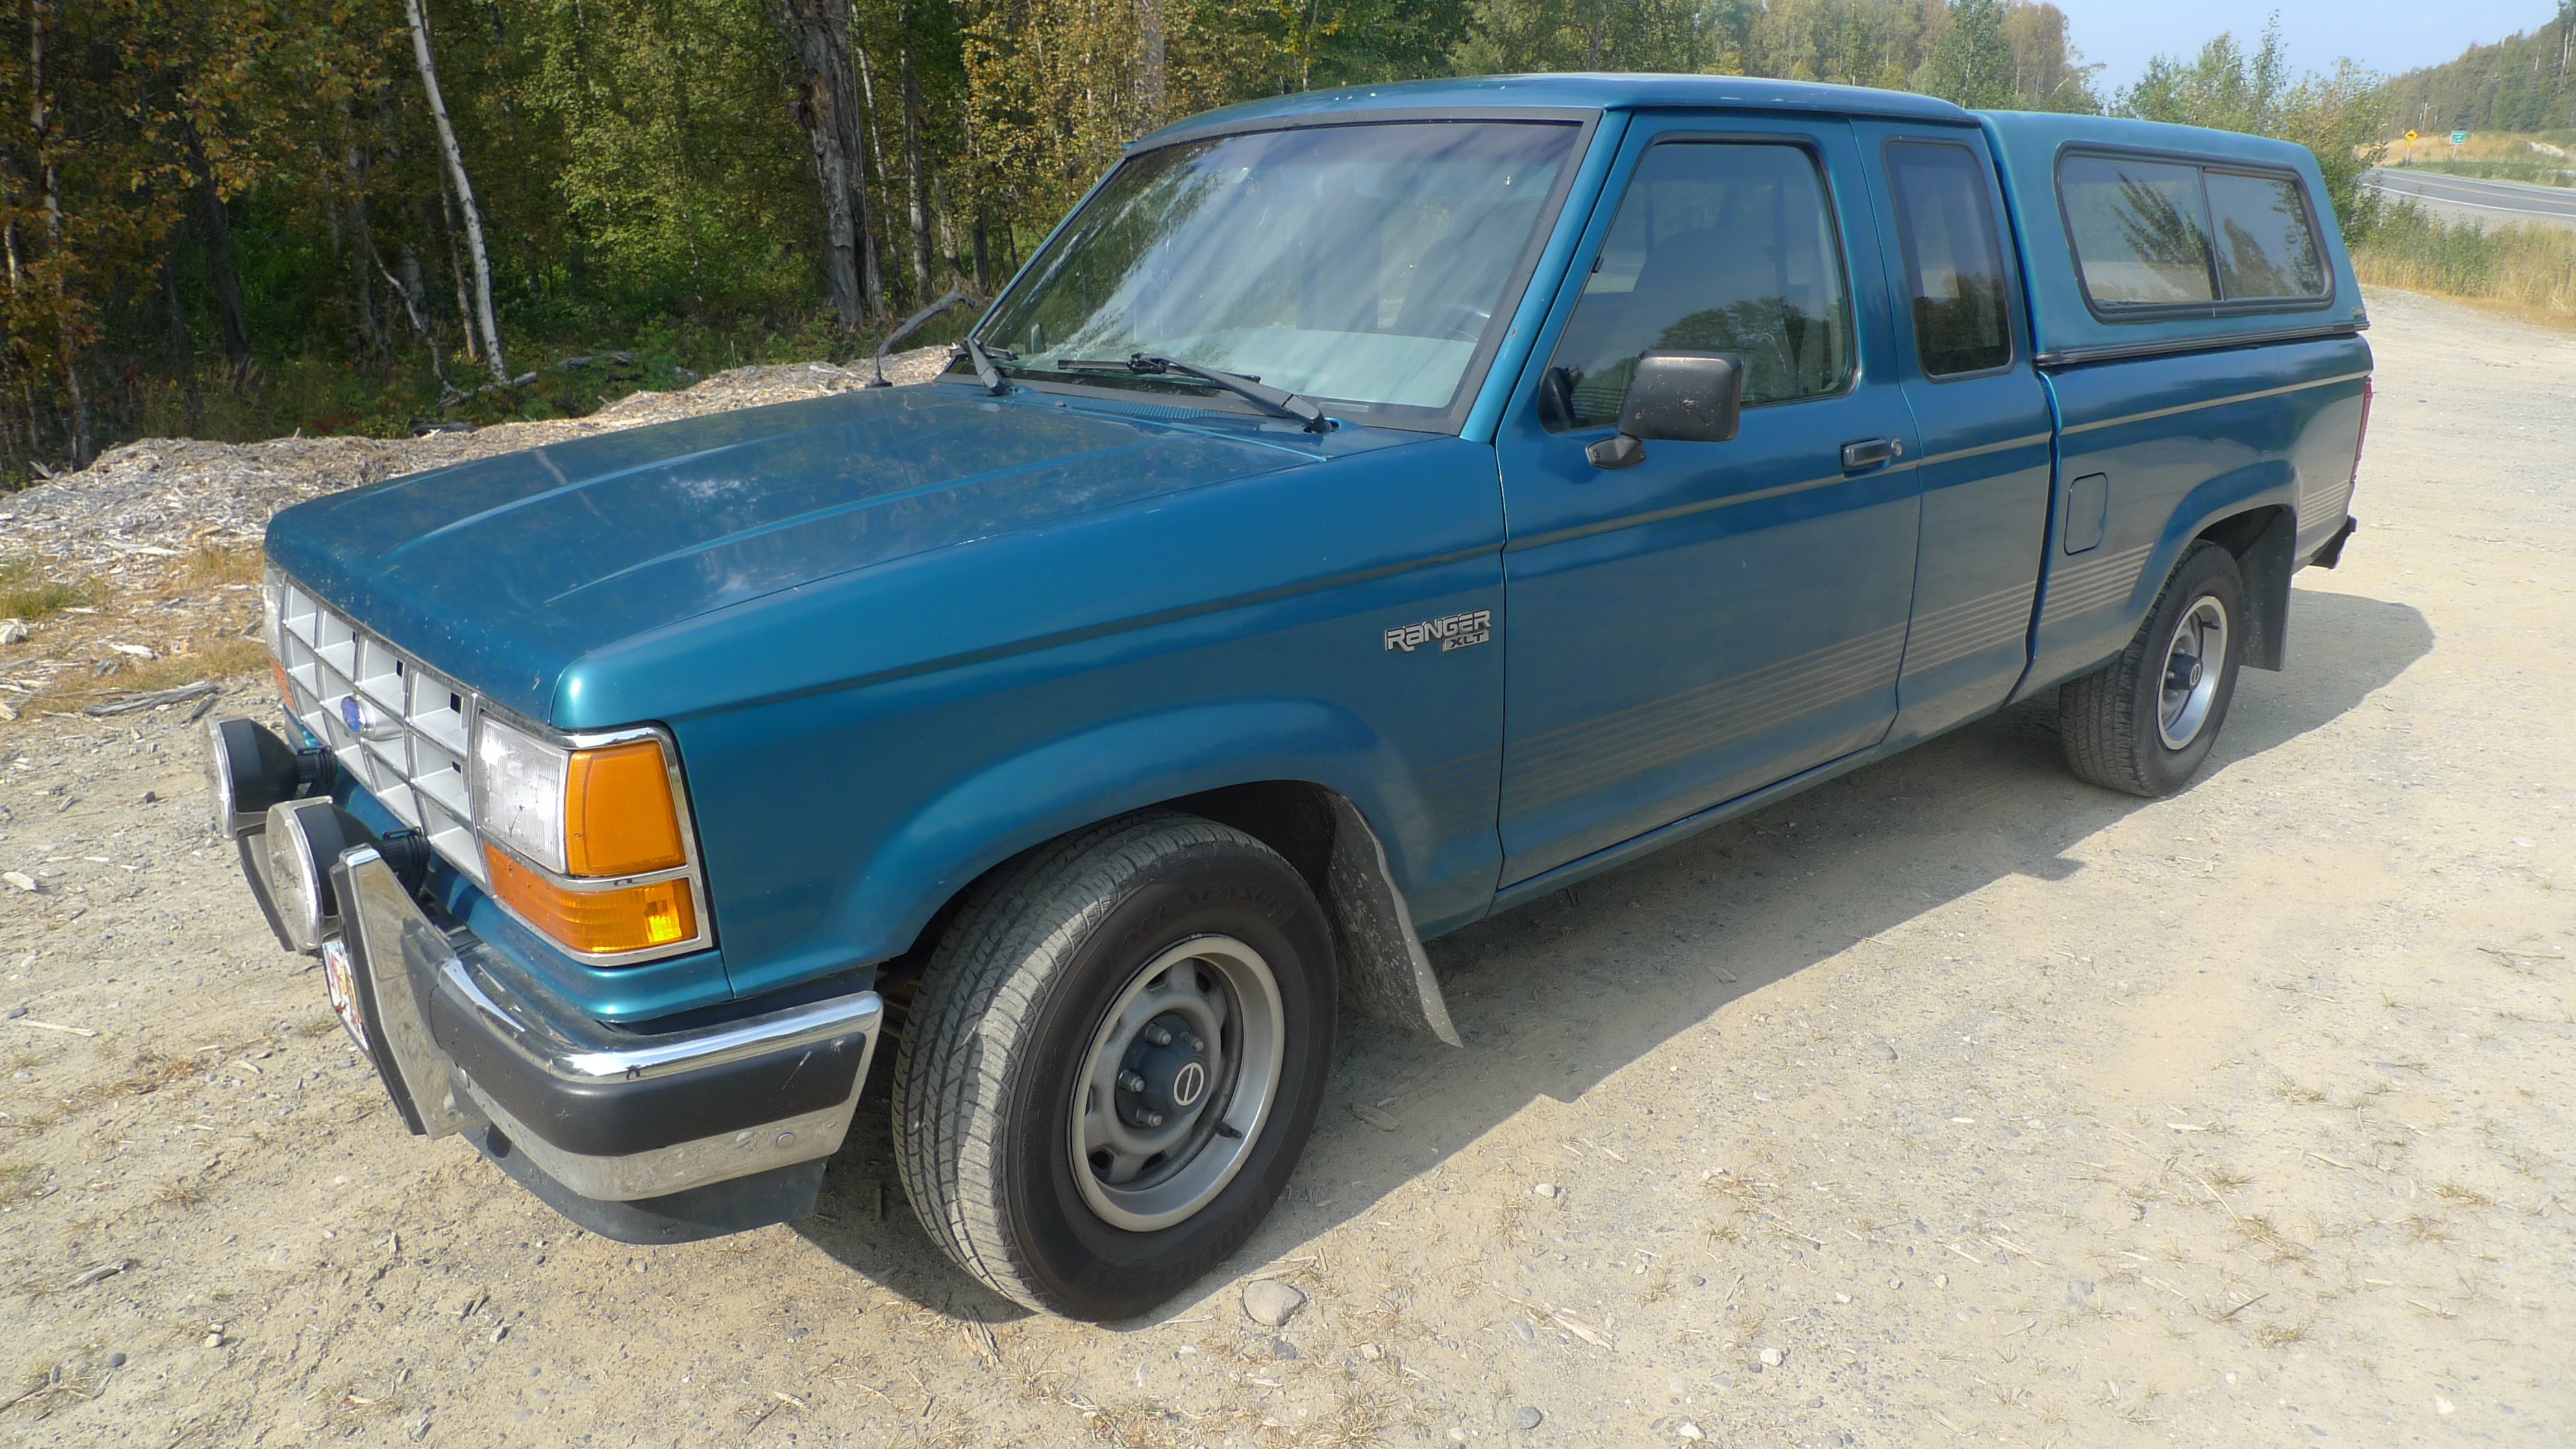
(1688, 397)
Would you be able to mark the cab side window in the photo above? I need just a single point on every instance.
(1717, 247)
(1954, 262)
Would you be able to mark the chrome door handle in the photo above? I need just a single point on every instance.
(1870, 452)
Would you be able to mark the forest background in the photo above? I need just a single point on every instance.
(233, 218)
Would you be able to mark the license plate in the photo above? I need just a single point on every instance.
(339, 977)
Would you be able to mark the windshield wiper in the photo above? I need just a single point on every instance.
(1279, 402)
(985, 372)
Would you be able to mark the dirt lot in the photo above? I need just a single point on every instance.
(1954, 1101)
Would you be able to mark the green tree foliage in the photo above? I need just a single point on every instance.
(2336, 116)
(1972, 62)
(2525, 82)
(233, 217)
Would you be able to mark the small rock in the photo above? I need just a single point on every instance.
(116, 1360)
(1547, 1190)
(1372, 1352)
(1883, 1051)
(17, 1011)
(149, 797)
(1940, 1280)
(1375, 1118)
(20, 879)
(215, 1339)
(13, 631)
(1522, 1331)
(1685, 1429)
(1271, 1303)
(1772, 1358)
(1527, 1417)
(1282, 1350)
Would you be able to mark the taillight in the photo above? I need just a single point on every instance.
(2363, 435)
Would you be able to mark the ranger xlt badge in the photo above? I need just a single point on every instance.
(1457, 631)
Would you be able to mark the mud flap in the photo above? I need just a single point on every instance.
(1385, 975)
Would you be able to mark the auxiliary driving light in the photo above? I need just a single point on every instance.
(249, 769)
(304, 838)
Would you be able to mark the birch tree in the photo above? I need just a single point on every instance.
(464, 191)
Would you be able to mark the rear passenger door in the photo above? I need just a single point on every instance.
(1719, 616)
(1965, 357)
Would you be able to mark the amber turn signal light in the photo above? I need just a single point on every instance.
(618, 815)
(596, 923)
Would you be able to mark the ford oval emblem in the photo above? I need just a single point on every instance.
(364, 720)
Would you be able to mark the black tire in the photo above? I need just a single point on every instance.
(2114, 721)
(1017, 996)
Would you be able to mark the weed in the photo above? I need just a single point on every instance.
(2427, 1229)
(2529, 269)
(2280, 1335)
(213, 565)
(2464, 1196)
(25, 592)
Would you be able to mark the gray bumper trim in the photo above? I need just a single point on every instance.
(407, 959)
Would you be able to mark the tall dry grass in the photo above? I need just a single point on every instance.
(2528, 269)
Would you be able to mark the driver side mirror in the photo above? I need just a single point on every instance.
(1688, 397)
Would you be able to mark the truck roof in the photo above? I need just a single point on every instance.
(2026, 146)
(1568, 92)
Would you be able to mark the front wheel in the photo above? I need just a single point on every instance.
(1115, 1062)
(2144, 722)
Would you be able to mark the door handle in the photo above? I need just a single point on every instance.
(1870, 452)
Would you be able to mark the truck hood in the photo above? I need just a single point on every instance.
(503, 571)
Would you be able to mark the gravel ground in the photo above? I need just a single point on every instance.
(1954, 1100)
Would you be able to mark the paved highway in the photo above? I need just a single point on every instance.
(2487, 203)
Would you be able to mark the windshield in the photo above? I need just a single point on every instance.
(1362, 264)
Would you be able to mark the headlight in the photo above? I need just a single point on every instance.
(519, 792)
(272, 611)
(554, 820)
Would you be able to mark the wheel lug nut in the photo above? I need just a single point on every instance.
(1159, 1034)
(1130, 1082)
(1152, 1119)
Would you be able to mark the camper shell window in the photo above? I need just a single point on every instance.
(2162, 236)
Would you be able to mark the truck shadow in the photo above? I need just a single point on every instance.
(1558, 995)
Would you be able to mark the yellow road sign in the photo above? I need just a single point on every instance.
(2410, 133)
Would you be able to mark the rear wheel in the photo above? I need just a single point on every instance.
(1115, 1062)
(2144, 722)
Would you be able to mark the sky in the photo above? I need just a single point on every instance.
(2382, 35)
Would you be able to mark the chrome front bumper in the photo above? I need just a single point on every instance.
(463, 1037)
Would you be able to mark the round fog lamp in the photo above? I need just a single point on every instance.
(304, 838)
(219, 778)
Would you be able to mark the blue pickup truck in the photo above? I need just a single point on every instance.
(1366, 512)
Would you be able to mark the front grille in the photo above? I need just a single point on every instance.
(399, 728)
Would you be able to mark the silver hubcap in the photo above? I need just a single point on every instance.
(2194, 658)
(1177, 1084)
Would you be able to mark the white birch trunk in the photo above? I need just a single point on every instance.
(464, 191)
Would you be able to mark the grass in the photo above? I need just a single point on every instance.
(25, 592)
(2529, 270)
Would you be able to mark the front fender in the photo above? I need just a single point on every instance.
(1072, 781)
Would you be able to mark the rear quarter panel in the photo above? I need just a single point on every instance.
(2184, 442)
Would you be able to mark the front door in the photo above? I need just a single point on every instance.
(1719, 616)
